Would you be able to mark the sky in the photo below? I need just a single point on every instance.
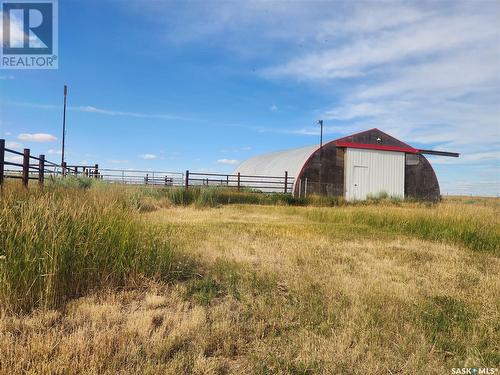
(170, 86)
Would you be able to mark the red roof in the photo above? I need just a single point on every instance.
(408, 149)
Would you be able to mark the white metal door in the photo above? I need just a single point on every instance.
(373, 172)
(360, 181)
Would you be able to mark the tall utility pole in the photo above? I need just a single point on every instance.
(320, 122)
(64, 124)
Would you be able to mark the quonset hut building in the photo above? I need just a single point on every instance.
(353, 167)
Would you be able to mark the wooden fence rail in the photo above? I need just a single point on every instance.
(24, 166)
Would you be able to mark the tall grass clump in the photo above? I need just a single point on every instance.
(56, 244)
(476, 228)
(81, 182)
(202, 196)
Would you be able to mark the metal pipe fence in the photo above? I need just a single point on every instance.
(264, 184)
(24, 166)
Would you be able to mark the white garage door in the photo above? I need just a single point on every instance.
(374, 172)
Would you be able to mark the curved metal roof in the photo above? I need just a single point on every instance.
(276, 163)
(293, 161)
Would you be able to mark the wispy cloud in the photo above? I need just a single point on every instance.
(469, 158)
(14, 159)
(54, 152)
(36, 137)
(13, 145)
(118, 161)
(99, 111)
(356, 110)
(7, 77)
(479, 187)
(228, 161)
(427, 75)
(107, 112)
(148, 156)
(273, 108)
(436, 34)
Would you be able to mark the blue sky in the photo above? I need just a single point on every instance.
(205, 85)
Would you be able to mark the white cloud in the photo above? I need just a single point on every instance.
(468, 158)
(228, 161)
(13, 145)
(348, 112)
(54, 152)
(480, 187)
(14, 159)
(117, 161)
(36, 137)
(273, 108)
(452, 76)
(8, 77)
(99, 111)
(371, 17)
(148, 156)
(434, 35)
(91, 109)
(428, 75)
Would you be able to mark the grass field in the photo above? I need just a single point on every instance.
(170, 283)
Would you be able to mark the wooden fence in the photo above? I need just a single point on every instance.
(24, 166)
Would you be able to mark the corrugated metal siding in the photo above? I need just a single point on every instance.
(373, 172)
(276, 163)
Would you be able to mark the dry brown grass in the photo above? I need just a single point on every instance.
(281, 290)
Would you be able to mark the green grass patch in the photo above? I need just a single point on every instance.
(447, 323)
(479, 233)
(57, 244)
(204, 290)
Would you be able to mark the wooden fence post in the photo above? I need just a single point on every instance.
(146, 178)
(239, 178)
(41, 169)
(26, 167)
(187, 179)
(96, 171)
(63, 169)
(2, 161)
(286, 182)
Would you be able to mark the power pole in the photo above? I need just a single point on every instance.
(320, 122)
(64, 124)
